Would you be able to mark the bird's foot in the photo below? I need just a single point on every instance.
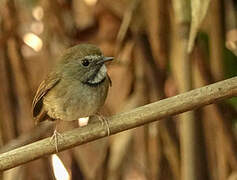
(105, 122)
(54, 139)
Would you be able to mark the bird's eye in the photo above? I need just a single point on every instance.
(85, 62)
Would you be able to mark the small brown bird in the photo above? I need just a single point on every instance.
(77, 86)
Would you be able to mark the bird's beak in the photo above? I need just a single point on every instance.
(105, 59)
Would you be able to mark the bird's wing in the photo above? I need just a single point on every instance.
(44, 88)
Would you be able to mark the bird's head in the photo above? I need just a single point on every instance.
(84, 62)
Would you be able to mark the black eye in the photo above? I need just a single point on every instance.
(85, 62)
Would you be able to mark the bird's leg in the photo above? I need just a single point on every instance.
(103, 121)
(54, 137)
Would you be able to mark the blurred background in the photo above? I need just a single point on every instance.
(150, 40)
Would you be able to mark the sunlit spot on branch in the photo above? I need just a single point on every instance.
(60, 172)
(90, 2)
(33, 41)
(38, 13)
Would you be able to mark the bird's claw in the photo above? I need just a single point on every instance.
(54, 139)
(104, 121)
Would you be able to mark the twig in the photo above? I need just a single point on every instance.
(34, 135)
(120, 122)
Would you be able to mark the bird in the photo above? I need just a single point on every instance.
(76, 87)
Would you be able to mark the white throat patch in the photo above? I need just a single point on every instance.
(99, 76)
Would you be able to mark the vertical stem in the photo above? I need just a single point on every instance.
(182, 71)
(216, 33)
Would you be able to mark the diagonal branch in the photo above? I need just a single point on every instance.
(120, 122)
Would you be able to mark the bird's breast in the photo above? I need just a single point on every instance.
(71, 99)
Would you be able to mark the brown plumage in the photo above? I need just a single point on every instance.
(76, 87)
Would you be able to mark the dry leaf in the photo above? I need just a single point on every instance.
(199, 10)
(231, 41)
